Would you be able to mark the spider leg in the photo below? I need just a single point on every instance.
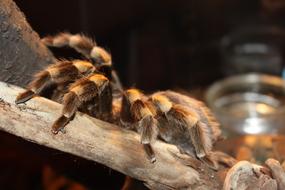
(71, 104)
(117, 82)
(80, 92)
(79, 42)
(87, 47)
(101, 106)
(110, 73)
(60, 123)
(187, 123)
(147, 126)
(58, 73)
(59, 91)
(149, 152)
(201, 139)
(104, 62)
(204, 112)
(126, 117)
(105, 104)
(41, 80)
(82, 44)
(149, 134)
(136, 113)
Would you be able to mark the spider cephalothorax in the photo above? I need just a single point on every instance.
(88, 86)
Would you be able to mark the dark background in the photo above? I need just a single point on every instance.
(155, 45)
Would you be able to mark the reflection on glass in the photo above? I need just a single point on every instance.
(249, 104)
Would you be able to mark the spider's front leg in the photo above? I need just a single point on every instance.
(136, 113)
(80, 43)
(62, 72)
(87, 47)
(81, 92)
(101, 106)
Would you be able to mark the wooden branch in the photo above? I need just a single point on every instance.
(120, 149)
(245, 175)
(21, 52)
(100, 141)
(277, 172)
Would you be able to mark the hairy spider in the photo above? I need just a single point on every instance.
(170, 116)
(173, 117)
(81, 85)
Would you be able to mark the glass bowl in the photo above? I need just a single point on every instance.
(249, 104)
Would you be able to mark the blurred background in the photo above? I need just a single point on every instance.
(156, 45)
(161, 44)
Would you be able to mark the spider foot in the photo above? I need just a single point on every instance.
(25, 96)
(59, 125)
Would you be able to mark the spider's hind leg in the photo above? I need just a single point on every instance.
(200, 136)
(192, 128)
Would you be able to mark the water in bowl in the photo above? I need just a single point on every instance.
(252, 112)
(248, 104)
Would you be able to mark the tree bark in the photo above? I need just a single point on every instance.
(103, 142)
(21, 52)
(121, 150)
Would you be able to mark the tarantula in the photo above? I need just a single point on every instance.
(170, 116)
(175, 118)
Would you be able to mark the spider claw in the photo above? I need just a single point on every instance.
(54, 131)
(63, 130)
(153, 160)
(59, 125)
(25, 96)
(150, 153)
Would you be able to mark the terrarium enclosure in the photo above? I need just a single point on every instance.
(185, 46)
